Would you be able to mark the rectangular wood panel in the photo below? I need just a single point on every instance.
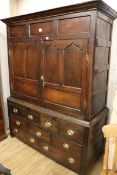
(18, 31)
(60, 97)
(74, 25)
(26, 88)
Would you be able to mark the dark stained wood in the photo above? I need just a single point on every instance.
(58, 64)
(74, 25)
(43, 28)
(18, 31)
(87, 140)
(101, 62)
(24, 69)
(61, 142)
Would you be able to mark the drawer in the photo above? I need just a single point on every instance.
(66, 159)
(18, 123)
(28, 138)
(74, 25)
(18, 31)
(49, 123)
(39, 133)
(31, 116)
(18, 132)
(15, 110)
(66, 145)
(72, 131)
(42, 28)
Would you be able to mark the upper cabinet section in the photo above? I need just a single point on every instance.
(73, 20)
(69, 26)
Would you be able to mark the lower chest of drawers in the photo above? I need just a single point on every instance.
(58, 137)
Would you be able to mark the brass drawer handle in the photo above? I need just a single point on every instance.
(70, 132)
(15, 130)
(71, 160)
(38, 134)
(46, 148)
(30, 117)
(32, 140)
(43, 81)
(48, 124)
(40, 30)
(18, 123)
(15, 110)
(65, 145)
(47, 38)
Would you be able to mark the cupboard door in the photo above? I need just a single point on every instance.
(64, 73)
(24, 60)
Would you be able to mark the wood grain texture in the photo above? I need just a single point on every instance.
(59, 79)
(84, 143)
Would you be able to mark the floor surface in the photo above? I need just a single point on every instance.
(23, 160)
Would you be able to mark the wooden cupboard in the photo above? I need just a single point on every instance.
(58, 66)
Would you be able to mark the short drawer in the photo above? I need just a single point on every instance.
(41, 28)
(49, 123)
(31, 116)
(17, 122)
(39, 133)
(64, 144)
(14, 109)
(66, 159)
(72, 131)
(25, 136)
(18, 31)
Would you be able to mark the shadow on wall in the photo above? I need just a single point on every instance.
(113, 70)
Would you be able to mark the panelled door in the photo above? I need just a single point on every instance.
(24, 60)
(64, 74)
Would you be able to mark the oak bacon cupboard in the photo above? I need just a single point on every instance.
(58, 66)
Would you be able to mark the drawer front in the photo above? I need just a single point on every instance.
(18, 31)
(18, 123)
(42, 28)
(25, 137)
(66, 159)
(74, 25)
(39, 133)
(15, 110)
(31, 116)
(63, 144)
(49, 123)
(73, 132)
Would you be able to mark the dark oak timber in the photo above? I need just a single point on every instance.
(58, 66)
